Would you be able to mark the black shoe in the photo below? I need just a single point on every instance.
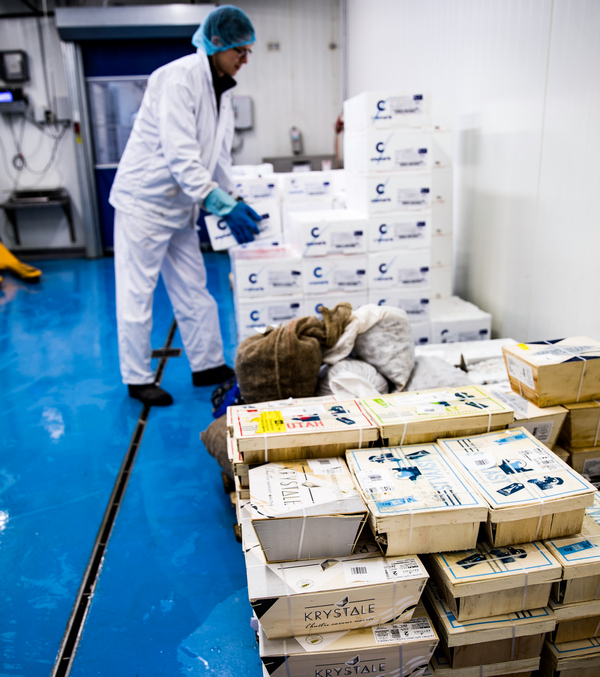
(212, 377)
(150, 394)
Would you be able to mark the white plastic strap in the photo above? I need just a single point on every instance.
(582, 374)
(401, 666)
(512, 650)
(301, 541)
(525, 590)
(360, 435)
(489, 420)
(597, 629)
(410, 533)
(404, 432)
(285, 655)
(266, 450)
(597, 429)
(394, 602)
(539, 526)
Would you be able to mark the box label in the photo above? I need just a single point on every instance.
(325, 466)
(270, 422)
(521, 371)
(419, 628)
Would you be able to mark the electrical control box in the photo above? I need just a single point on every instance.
(242, 112)
(14, 66)
(12, 100)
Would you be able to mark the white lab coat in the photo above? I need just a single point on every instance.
(178, 152)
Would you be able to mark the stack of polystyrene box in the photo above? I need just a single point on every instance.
(267, 283)
(305, 191)
(388, 154)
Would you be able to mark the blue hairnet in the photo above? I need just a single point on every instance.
(225, 27)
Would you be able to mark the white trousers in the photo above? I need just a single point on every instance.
(142, 251)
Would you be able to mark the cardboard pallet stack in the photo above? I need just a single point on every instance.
(324, 596)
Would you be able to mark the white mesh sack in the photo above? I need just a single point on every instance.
(349, 379)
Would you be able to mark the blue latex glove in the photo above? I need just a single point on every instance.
(242, 221)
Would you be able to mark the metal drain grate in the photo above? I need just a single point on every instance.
(70, 642)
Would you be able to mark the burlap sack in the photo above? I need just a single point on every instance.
(215, 441)
(285, 361)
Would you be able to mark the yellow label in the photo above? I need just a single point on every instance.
(523, 346)
(270, 422)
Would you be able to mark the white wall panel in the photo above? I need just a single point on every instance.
(512, 78)
(299, 85)
(38, 228)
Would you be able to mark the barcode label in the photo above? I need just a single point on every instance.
(359, 570)
(541, 431)
(375, 483)
(365, 571)
(542, 459)
(403, 568)
(325, 466)
(419, 628)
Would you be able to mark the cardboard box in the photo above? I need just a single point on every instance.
(221, 236)
(267, 276)
(555, 372)
(318, 427)
(385, 150)
(442, 282)
(393, 650)
(400, 270)
(579, 556)
(333, 231)
(399, 230)
(417, 501)
(421, 332)
(334, 274)
(507, 637)
(531, 493)
(254, 315)
(331, 299)
(582, 427)
(397, 192)
(544, 424)
(486, 581)
(414, 302)
(575, 621)
(571, 659)
(305, 509)
(453, 319)
(333, 594)
(387, 110)
(587, 462)
(426, 415)
(440, 667)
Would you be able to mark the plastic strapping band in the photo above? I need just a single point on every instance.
(539, 526)
(404, 432)
(597, 629)
(266, 450)
(597, 429)
(582, 374)
(598, 586)
(360, 429)
(401, 666)
(489, 420)
(525, 590)
(512, 650)
(481, 671)
(301, 542)
(410, 533)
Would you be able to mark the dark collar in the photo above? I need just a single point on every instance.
(220, 83)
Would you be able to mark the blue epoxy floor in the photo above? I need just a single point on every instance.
(171, 598)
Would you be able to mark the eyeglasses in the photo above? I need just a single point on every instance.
(242, 52)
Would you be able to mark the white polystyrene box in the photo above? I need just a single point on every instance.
(254, 315)
(334, 273)
(385, 150)
(442, 249)
(421, 332)
(442, 186)
(307, 185)
(272, 276)
(415, 302)
(400, 269)
(441, 217)
(386, 109)
(331, 299)
(442, 149)
(289, 207)
(399, 230)
(334, 231)
(253, 189)
(441, 281)
(394, 192)
(454, 319)
(221, 236)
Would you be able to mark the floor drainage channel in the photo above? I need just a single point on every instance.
(70, 641)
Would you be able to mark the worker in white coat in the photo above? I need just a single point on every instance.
(177, 159)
